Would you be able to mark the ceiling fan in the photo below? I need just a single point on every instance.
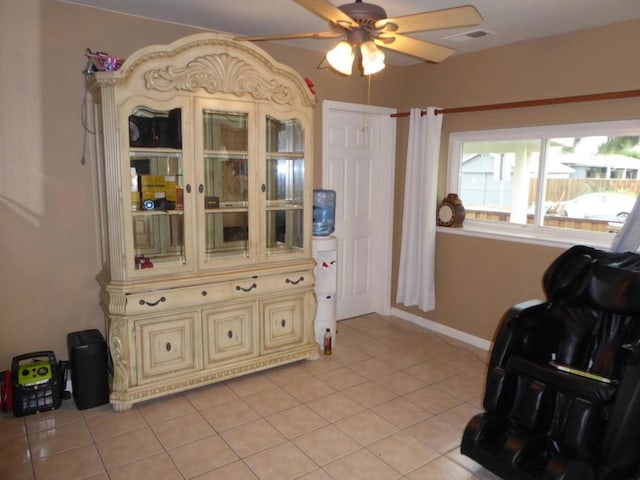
(367, 26)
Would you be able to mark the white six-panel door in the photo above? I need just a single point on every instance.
(358, 163)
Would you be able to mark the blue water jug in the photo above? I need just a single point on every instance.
(324, 212)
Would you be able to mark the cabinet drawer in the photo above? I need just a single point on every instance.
(283, 322)
(166, 346)
(171, 299)
(230, 333)
(273, 283)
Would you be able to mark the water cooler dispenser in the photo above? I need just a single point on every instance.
(324, 212)
(325, 253)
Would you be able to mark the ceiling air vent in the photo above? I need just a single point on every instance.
(468, 36)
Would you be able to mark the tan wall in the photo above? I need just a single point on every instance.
(49, 234)
(478, 279)
(50, 256)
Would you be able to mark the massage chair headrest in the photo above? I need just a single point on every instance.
(605, 280)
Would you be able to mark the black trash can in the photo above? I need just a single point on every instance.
(88, 361)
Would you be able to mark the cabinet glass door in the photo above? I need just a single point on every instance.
(284, 186)
(226, 184)
(157, 183)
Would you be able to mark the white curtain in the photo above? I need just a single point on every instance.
(416, 278)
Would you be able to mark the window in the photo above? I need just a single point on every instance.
(563, 182)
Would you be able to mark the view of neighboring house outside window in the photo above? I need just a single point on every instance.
(577, 182)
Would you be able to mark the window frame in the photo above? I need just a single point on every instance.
(533, 234)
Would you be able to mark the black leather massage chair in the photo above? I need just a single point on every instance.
(562, 395)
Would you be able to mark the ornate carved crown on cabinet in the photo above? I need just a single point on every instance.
(204, 148)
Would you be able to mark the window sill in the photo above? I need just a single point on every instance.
(550, 237)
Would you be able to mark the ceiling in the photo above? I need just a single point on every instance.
(506, 21)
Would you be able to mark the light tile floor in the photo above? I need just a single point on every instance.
(390, 403)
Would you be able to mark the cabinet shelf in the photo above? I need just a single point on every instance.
(231, 252)
(146, 152)
(284, 206)
(282, 248)
(285, 155)
(165, 261)
(151, 213)
(226, 154)
(209, 211)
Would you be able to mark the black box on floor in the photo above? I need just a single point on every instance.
(88, 361)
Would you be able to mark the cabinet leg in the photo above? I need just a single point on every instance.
(121, 407)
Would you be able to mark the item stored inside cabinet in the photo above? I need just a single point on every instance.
(35, 383)
(155, 129)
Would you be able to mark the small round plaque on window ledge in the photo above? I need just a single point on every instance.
(451, 212)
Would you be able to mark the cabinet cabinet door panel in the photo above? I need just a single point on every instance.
(158, 240)
(166, 346)
(283, 322)
(230, 333)
(286, 185)
(225, 161)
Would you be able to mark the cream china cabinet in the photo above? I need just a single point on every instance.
(205, 154)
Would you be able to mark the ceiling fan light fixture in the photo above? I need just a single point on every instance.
(372, 58)
(341, 57)
(359, 22)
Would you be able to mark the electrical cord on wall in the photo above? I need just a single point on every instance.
(83, 118)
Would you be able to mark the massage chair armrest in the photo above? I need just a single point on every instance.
(631, 353)
(519, 326)
(622, 438)
(528, 315)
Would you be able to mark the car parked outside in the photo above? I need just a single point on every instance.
(609, 206)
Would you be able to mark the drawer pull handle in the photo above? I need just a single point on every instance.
(153, 304)
(283, 322)
(230, 334)
(239, 288)
(204, 293)
(168, 347)
(295, 282)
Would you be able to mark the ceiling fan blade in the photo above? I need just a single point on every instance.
(328, 11)
(417, 48)
(435, 20)
(291, 36)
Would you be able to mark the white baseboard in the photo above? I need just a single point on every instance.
(443, 329)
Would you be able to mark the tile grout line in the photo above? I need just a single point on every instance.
(355, 349)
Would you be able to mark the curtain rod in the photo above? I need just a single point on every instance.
(533, 103)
